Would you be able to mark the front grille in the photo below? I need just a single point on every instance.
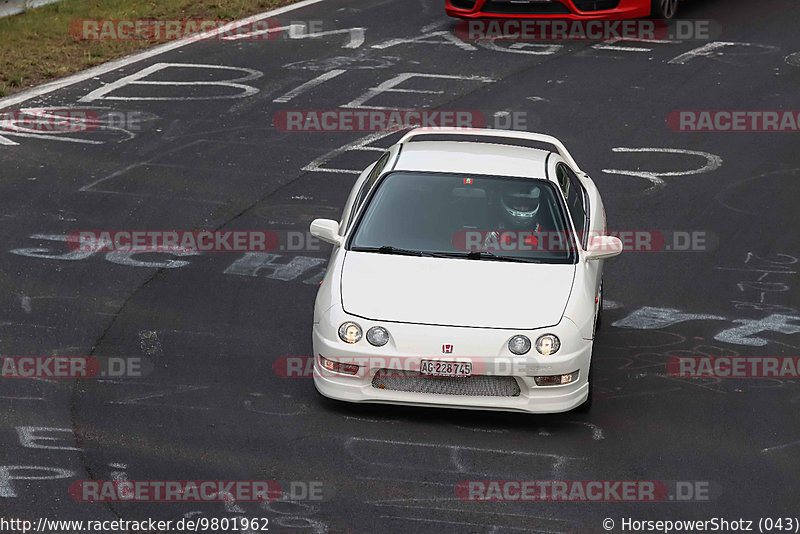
(524, 7)
(595, 5)
(463, 4)
(473, 386)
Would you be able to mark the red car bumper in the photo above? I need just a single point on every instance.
(554, 9)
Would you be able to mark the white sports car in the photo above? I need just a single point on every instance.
(466, 273)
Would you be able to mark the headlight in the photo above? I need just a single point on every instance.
(548, 344)
(349, 332)
(519, 345)
(378, 336)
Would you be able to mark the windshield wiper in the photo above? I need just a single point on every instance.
(388, 249)
(474, 255)
(489, 255)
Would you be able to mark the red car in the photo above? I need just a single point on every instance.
(562, 9)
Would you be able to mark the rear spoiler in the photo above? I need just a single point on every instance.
(504, 134)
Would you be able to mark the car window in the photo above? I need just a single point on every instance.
(563, 180)
(456, 214)
(370, 181)
(374, 174)
(575, 197)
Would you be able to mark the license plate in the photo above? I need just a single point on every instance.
(445, 368)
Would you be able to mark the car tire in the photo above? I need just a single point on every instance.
(663, 9)
(587, 404)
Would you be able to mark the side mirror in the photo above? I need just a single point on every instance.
(603, 247)
(328, 230)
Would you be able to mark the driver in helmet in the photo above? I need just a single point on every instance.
(519, 207)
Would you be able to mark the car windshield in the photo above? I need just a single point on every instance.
(478, 217)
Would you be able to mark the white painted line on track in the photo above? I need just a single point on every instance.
(778, 447)
(250, 35)
(358, 144)
(152, 52)
(300, 89)
(356, 36)
(101, 93)
(50, 137)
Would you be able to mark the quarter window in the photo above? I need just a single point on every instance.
(575, 196)
(370, 181)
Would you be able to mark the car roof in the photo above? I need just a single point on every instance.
(473, 158)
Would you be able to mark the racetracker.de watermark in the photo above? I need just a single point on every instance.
(399, 366)
(347, 120)
(173, 30)
(584, 30)
(192, 241)
(173, 240)
(734, 367)
(175, 490)
(53, 121)
(555, 241)
(68, 367)
(49, 121)
(416, 367)
(734, 121)
(584, 490)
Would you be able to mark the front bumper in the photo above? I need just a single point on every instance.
(485, 348)
(557, 9)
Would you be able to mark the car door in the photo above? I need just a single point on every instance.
(579, 206)
(356, 198)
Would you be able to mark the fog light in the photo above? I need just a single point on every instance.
(378, 336)
(548, 344)
(348, 368)
(339, 367)
(349, 332)
(519, 345)
(556, 380)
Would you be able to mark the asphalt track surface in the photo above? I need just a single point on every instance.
(214, 408)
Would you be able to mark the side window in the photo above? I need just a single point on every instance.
(576, 199)
(368, 183)
(563, 180)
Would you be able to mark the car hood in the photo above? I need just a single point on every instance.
(455, 292)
